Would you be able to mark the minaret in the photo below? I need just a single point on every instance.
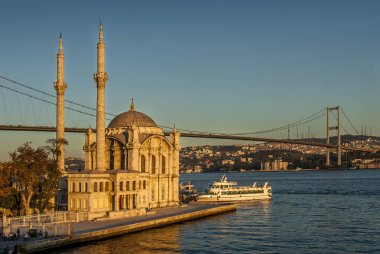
(60, 86)
(100, 78)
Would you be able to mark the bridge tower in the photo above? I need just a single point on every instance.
(60, 86)
(100, 78)
(332, 128)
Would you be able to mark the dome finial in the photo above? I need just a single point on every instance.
(132, 106)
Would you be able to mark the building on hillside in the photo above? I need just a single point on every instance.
(197, 169)
(228, 162)
(274, 165)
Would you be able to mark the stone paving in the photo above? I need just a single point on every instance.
(89, 226)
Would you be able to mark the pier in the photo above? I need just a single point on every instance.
(85, 231)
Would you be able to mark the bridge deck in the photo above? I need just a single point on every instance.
(194, 135)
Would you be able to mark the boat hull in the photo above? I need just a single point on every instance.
(233, 198)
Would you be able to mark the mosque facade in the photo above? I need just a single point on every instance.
(130, 166)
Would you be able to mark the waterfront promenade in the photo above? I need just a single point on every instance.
(96, 230)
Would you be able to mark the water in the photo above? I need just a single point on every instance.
(311, 212)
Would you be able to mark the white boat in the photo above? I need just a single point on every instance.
(228, 191)
(187, 191)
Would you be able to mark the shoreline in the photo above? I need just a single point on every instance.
(83, 232)
(289, 170)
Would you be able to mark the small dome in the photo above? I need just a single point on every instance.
(132, 117)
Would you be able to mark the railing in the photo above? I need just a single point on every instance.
(41, 221)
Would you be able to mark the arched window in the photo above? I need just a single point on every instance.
(95, 187)
(121, 186)
(73, 188)
(107, 186)
(153, 164)
(163, 164)
(101, 187)
(80, 187)
(143, 163)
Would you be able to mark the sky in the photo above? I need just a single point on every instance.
(218, 66)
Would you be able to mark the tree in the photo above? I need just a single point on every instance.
(9, 197)
(44, 199)
(30, 168)
(53, 145)
(11, 201)
(49, 186)
(5, 184)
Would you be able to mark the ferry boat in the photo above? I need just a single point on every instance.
(228, 191)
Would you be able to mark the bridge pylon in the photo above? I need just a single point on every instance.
(329, 128)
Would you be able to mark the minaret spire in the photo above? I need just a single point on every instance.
(100, 78)
(100, 30)
(60, 43)
(101, 68)
(60, 86)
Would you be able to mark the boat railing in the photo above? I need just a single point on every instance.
(224, 183)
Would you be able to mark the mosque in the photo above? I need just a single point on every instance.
(130, 166)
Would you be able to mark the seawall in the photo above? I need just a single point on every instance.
(102, 232)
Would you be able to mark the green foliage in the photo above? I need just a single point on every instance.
(53, 145)
(48, 188)
(33, 232)
(5, 183)
(36, 175)
(12, 201)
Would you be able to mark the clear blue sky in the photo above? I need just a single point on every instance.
(225, 66)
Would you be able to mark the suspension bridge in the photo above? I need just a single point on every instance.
(31, 104)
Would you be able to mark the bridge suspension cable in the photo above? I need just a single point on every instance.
(69, 101)
(294, 124)
(303, 121)
(348, 119)
(46, 101)
(50, 95)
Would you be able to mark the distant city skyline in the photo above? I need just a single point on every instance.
(218, 66)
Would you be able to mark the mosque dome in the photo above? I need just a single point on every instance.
(132, 117)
